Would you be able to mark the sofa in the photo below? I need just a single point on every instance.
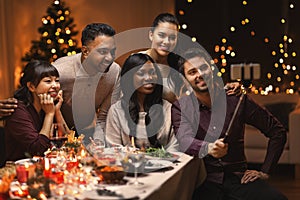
(285, 108)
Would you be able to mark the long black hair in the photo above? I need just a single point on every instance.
(33, 72)
(129, 100)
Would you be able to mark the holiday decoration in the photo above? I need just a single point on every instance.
(233, 32)
(56, 35)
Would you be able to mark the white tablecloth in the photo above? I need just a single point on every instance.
(177, 182)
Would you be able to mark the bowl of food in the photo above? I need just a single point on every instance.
(110, 174)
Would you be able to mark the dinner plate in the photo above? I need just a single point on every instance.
(174, 157)
(152, 165)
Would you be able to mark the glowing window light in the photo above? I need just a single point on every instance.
(292, 6)
(285, 72)
(273, 53)
(232, 28)
(53, 50)
(194, 39)
(280, 60)
(245, 3)
(232, 54)
(219, 74)
(294, 54)
(294, 68)
(224, 40)
(181, 12)
(269, 75)
(278, 79)
(184, 26)
(282, 21)
(223, 70)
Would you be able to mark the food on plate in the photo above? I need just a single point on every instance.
(158, 152)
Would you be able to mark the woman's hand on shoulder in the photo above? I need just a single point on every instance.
(233, 88)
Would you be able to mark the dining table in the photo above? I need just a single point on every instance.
(176, 181)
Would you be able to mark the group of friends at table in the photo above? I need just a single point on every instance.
(157, 97)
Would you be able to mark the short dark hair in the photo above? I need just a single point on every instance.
(192, 53)
(91, 31)
(33, 72)
(164, 17)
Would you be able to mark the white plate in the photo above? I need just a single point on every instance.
(175, 156)
(152, 165)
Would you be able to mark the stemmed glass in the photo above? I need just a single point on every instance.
(136, 159)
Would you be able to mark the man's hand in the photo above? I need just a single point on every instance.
(252, 175)
(233, 88)
(7, 106)
(218, 149)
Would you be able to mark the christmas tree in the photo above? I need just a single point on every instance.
(56, 35)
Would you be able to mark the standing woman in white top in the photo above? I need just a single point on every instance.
(141, 114)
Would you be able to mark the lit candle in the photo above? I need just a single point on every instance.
(132, 142)
(46, 167)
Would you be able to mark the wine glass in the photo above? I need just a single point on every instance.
(136, 159)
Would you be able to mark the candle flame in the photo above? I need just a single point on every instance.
(47, 164)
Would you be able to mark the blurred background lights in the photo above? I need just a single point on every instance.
(184, 26)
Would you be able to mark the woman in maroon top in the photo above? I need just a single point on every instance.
(27, 130)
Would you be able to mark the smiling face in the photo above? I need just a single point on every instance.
(198, 73)
(164, 38)
(98, 54)
(145, 79)
(49, 85)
